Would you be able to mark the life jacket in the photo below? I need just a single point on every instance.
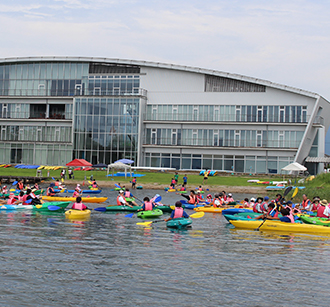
(134, 180)
(209, 199)
(20, 198)
(200, 189)
(79, 206)
(192, 199)
(251, 205)
(291, 217)
(314, 207)
(305, 203)
(320, 211)
(75, 194)
(230, 199)
(246, 204)
(214, 204)
(148, 206)
(118, 202)
(255, 208)
(20, 186)
(94, 185)
(127, 194)
(225, 197)
(11, 201)
(57, 185)
(182, 189)
(33, 195)
(24, 200)
(264, 206)
(178, 212)
(270, 210)
(50, 193)
(200, 197)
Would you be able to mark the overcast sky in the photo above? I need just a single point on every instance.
(286, 42)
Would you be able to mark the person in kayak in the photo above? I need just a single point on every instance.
(192, 199)
(229, 199)
(29, 195)
(121, 201)
(128, 194)
(257, 206)
(148, 205)
(323, 210)
(50, 190)
(76, 193)
(286, 217)
(272, 212)
(78, 205)
(306, 203)
(178, 212)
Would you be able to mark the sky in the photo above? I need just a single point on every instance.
(285, 42)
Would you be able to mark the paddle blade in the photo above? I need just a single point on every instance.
(197, 215)
(15, 182)
(62, 180)
(28, 201)
(295, 192)
(38, 206)
(129, 215)
(53, 178)
(54, 208)
(117, 186)
(144, 224)
(101, 209)
(157, 199)
(287, 190)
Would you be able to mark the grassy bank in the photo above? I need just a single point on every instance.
(320, 186)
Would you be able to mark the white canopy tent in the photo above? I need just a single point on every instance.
(119, 165)
(294, 167)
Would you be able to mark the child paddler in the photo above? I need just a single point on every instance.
(121, 201)
(192, 199)
(148, 204)
(128, 194)
(78, 205)
(178, 212)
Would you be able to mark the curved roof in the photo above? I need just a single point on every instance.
(160, 65)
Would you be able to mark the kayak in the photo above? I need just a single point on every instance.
(150, 213)
(16, 192)
(83, 191)
(179, 223)
(315, 220)
(41, 207)
(191, 206)
(241, 216)
(236, 210)
(77, 214)
(209, 209)
(73, 199)
(281, 226)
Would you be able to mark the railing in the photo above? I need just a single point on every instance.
(36, 115)
(74, 92)
(319, 120)
(212, 117)
(201, 142)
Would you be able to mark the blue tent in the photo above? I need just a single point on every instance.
(125, 161)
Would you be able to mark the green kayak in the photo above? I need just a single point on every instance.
(45, 205)
(37, 192)
(315, 220)
(123, 208)
(179, 223)
(150, 213)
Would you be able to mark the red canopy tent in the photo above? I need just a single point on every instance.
(79, 162)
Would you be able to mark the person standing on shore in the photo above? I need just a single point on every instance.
(176, 177)
(206, 176)
(185, 180)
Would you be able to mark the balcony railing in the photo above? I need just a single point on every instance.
(36, 115)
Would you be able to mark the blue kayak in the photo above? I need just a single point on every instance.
(191, 206)
(84, 191)
(235, 210)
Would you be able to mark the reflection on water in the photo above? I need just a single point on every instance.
(110, 261)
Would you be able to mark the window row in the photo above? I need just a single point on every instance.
(36, 134)
(242, 164)
(36, 154)
(228, 113)
(36, 110)
(223, 138)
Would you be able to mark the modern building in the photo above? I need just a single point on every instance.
(54, 109)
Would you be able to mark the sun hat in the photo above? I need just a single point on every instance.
(229, 194)
(252, 199)
(198, 191)
(121, 191)
(324, 202)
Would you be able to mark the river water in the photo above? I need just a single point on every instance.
(46, 260)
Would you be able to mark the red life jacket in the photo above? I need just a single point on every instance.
(320, 211)
(314, 207)
(148, 205)
(178, 212)
(305, 203)
(255, 208)
(11, 201)
(50, 193)
(134, 180)
(24, 200)
(20, 186)
(79, 206)
(118, 202)
(192, 199)
(94, 185)
(270, 210)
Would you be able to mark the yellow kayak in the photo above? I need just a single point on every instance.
(209, 209)
(77, 214)
(280, 226)
(83, 199)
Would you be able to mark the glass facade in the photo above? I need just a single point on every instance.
(236, 163)
(106, 129)
(224, 138)
(228, 113)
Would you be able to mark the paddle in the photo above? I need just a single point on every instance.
(118, 186)
(156, 200)
(295, 192)
(53, 178)
(196, 215)
(287, 190)
(15, 182)
(54, 208)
